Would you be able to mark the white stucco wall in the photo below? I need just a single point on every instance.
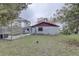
(22, 24)
(26, 31)
(46, 30)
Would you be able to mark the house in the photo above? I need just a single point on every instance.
(45, 28)
(18, 26)
(4, 32)
(14, 28)
(24, 24)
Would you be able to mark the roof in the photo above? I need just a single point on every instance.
(45, 24)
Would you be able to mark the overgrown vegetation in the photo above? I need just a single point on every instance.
(69, 14)
(48, 45)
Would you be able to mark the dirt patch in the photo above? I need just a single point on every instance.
(73, 43)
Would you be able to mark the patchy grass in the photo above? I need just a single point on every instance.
(41, 45)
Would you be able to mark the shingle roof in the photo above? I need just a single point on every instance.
(45, 24)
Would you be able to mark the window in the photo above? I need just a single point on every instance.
(27, 29)
(40, 29)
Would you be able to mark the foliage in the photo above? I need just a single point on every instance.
(70, 15)
(10, 11)
(66, 32)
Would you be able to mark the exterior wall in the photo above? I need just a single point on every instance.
(15, 30)
(27, 31)
(4, 32)
(23, 24)
(46, 30)
(18, 27)
(33, 30)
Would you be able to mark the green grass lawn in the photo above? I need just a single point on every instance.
(61, 45)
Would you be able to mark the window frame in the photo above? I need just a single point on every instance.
(40, 29)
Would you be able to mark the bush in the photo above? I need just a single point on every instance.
(66, 32)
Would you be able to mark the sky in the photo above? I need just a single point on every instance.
(37, 10)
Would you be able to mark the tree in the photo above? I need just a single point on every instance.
(10, 11)
(70, 15)
(42, 19)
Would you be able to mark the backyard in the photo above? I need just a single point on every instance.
(41, 45)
